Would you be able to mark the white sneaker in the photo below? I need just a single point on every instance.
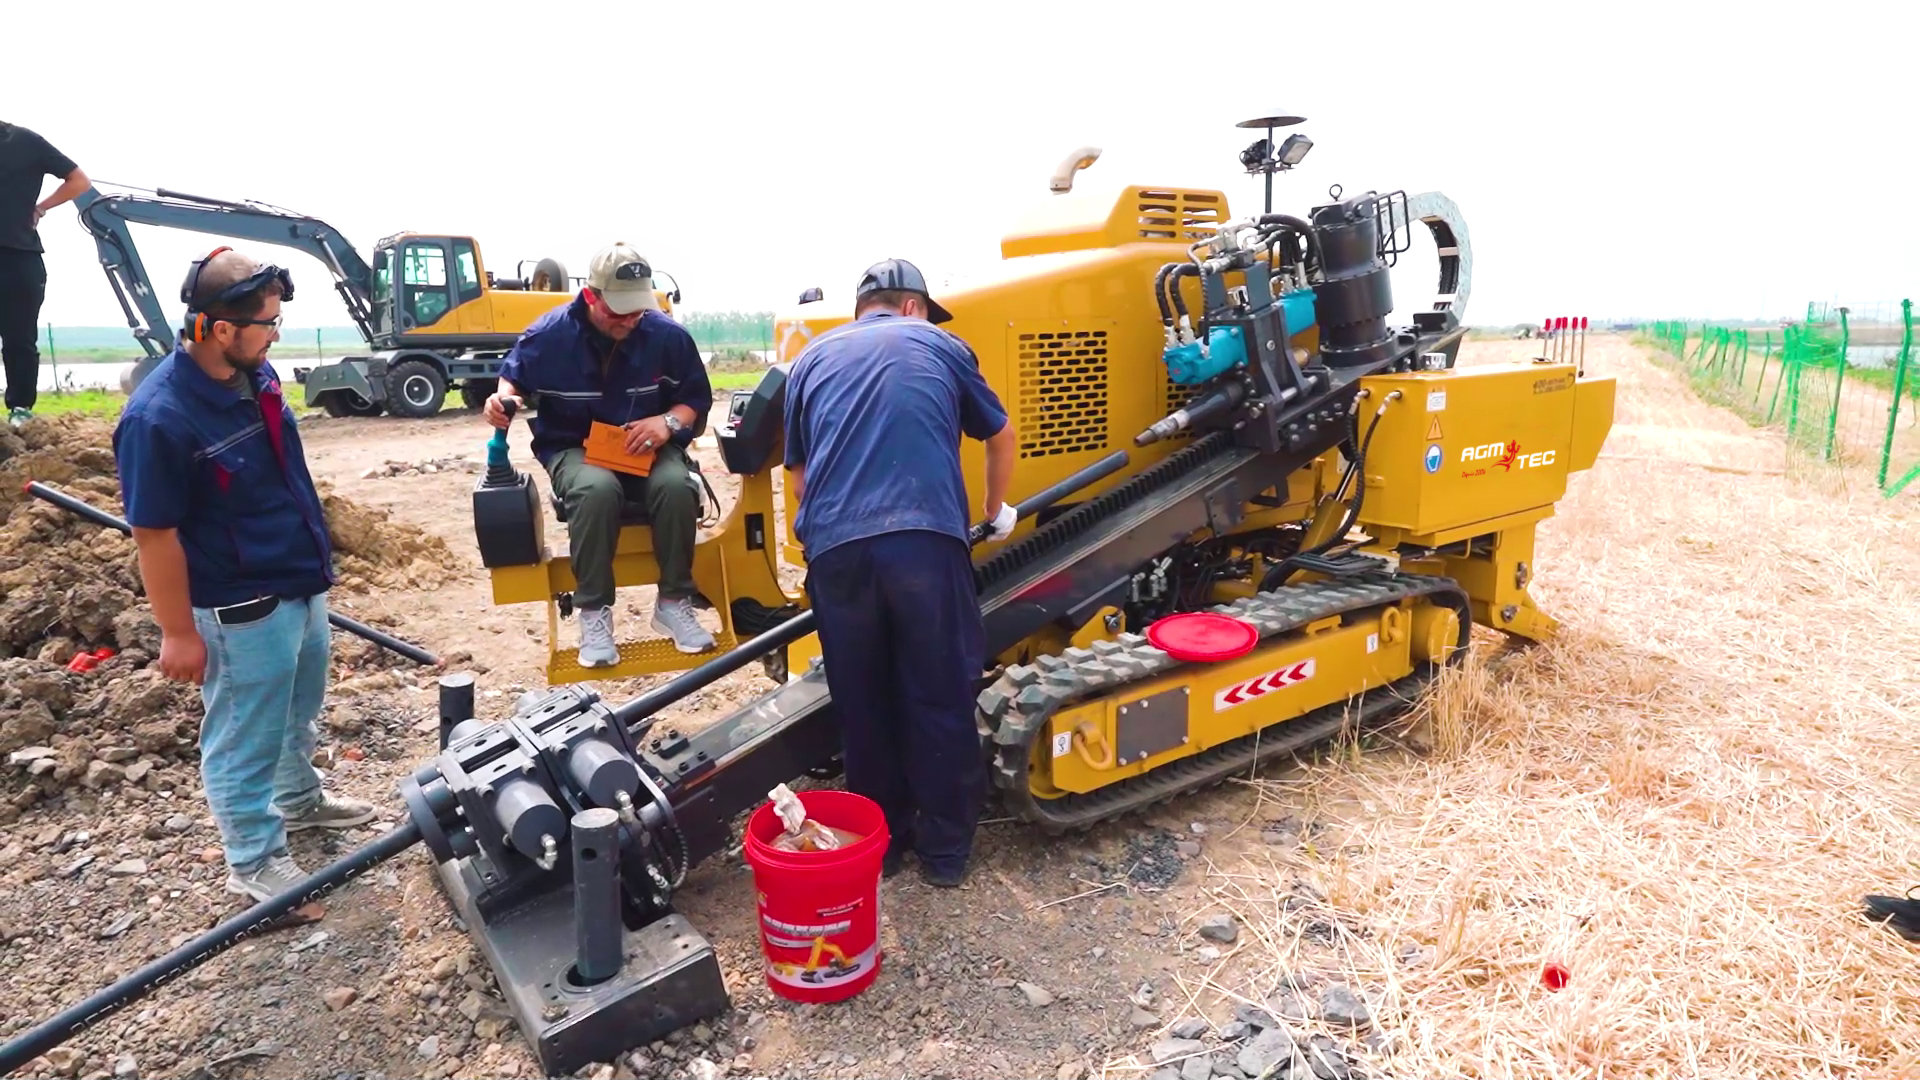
(278, 874)
(596, 638)
(675, 619)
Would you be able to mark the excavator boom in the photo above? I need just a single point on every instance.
(107, 217)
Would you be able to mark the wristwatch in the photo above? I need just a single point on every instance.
(674, 425)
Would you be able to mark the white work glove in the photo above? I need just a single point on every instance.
(1003, 522)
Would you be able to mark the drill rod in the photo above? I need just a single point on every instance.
(352, 626)
(792, 630)
(51, 1033)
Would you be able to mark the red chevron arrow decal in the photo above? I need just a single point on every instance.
(1252, 689)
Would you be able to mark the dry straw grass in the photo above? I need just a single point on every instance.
(1680, 800)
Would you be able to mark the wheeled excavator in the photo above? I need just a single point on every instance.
(435, 318)
(1214, 415)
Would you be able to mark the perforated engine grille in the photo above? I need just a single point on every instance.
(1063, 391)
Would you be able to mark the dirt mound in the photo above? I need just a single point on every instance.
(372, 551)
(69, 586)
(67, 583)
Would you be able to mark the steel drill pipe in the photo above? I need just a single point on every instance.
(52, 1033)
(352, 626)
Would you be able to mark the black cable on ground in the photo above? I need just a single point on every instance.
(51, 1033)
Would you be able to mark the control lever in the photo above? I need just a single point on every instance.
(499, 469)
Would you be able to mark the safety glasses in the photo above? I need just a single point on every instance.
(600, 304)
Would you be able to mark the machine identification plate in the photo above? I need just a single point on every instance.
(1436, 400)
(1251, 689)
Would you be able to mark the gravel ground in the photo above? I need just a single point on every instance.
(1061, 957)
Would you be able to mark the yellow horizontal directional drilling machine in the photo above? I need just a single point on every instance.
(1214, 416)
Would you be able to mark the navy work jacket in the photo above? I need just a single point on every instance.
(875, 412)
(581, 375)
(230, 474)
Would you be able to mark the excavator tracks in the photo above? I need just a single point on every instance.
(1015, 710)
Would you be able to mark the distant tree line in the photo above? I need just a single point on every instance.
(714, 329)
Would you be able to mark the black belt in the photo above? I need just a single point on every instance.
(250, 611)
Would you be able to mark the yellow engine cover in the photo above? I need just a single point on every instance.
(1467, 446)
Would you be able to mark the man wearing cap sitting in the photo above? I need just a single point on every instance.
(875, 411)
(610, 355)
(236, 562)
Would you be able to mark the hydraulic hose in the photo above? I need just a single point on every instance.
(792, 630)
(1160, 294)
(352, 626)
(1173, 286)
(1298, 225)
(51, 1033)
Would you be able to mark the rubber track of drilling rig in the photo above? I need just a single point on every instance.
(1019, 704)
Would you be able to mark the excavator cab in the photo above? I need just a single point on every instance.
(428, 290)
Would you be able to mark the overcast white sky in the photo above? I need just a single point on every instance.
(1611, 159)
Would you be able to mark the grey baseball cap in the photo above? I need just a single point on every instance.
(904, 276)
(624, 278)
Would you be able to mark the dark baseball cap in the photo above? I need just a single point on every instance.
(904, 276)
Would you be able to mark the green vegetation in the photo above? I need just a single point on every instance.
(717, 330)
(83, 402)
(734, 380)
(116, 344)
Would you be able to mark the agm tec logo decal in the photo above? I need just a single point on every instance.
(1506, 456)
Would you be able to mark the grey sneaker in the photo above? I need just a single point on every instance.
(275, 876)
(597, 648)
(675, 619)
(17, 418)
(331, 813)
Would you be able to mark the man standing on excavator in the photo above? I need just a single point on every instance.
(611, 356)
(26, 159)
(875, 411)
(236, 561)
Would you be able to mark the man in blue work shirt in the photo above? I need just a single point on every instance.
(875, 410)
(236, 562)
(611, 355)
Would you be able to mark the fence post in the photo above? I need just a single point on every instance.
(1793, 383)
(1761, 382)
(1899, 384)
(1839, 378)
(53, 357)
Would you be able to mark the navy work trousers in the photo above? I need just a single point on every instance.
(902, 641)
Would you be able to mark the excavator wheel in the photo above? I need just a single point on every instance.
(415, 389)
(342, 403)
(475, 392)
(549, 275)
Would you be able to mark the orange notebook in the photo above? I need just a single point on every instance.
(606, 447)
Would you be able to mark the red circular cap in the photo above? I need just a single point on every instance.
(1203, 637)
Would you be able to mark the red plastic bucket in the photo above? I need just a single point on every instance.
(820, 910)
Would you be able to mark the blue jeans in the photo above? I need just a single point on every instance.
(263, 688)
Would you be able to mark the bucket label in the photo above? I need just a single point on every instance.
(825, 965)
(805, 930)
